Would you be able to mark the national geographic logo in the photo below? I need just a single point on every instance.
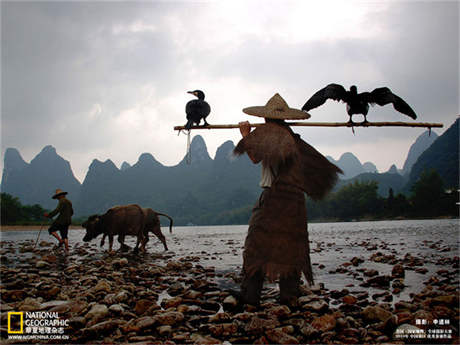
(15, 322)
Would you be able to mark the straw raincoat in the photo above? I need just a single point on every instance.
(277, 242)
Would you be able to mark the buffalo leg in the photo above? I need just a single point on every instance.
(144, 242)
(123, 246)
(110, 243)
(139, 240)
(158, 233)
(103, 240)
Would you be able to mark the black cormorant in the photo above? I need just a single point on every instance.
(358, 103)
(197, 109)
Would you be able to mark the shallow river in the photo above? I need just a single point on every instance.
(332, 245)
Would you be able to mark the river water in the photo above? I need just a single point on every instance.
(332, 244)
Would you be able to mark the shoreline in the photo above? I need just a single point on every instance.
(26, 227)
(5, 228)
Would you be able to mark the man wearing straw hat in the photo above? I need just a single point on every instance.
(277, 245)
(62, 222)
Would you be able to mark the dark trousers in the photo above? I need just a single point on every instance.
(251, 288)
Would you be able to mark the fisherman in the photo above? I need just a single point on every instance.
(63, 221)
(277, 245)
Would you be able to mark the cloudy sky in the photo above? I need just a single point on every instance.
(109, 79)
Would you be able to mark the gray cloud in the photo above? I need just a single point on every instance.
(108, 79)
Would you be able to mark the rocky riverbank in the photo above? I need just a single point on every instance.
(164, 298)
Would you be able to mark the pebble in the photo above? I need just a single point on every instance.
(168, 299)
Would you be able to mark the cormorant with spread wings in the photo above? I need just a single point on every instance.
(358, 103)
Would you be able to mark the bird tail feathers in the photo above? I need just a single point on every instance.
(189, 124)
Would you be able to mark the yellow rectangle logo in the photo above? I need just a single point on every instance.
(15, 314)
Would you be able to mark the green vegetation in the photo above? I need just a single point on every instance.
(360, 201)
(13, 212)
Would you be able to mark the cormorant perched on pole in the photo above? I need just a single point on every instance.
(358, 103)
(197, 109)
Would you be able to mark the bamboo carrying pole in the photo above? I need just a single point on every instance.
(327, 124)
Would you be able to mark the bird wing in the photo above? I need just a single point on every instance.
(383, 96)
(333, 91)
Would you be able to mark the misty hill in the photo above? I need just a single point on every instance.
(201, 192)
(351, 166)
(207, 191)
(442, 156)
(35, 183)
(423, 142)
(390, 179)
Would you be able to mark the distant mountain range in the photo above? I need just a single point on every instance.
(207, 191)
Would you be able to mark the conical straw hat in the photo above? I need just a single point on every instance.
(277, 108)
(58, 193)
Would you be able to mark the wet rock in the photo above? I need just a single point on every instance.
(230, 303)
(210, 305)
(371, 273)
(53, 292)
(223, 330)
(205, 340)
(243, 316)
(379, 281)
(450, 300)
(30, 304)
(13, 295)
(142, 306)
(97, 312)
(142, 323)
(281, 311)
(116, 309)
(104, 327)
(257, 325)
(192, 294)
(402, 305)
(42, 264)
(120, 263)
(398, 284)
(316, 306)
(309, 331)
(50, 258)
(165, 330)
(175, 289)
(356, 261)
(324, 323)
(121, 297)
(169, 318)
(375, 313)
(142, 340)
(104, 286)
(398, 271)
(220, 317)
(404, 317)
(349, 299)
(171, 302)
(336, 294)
(277, 336)
(77, 322)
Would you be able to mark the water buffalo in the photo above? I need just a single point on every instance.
(119, 220)
(152, 224)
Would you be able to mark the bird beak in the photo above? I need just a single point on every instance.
(191, 92)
